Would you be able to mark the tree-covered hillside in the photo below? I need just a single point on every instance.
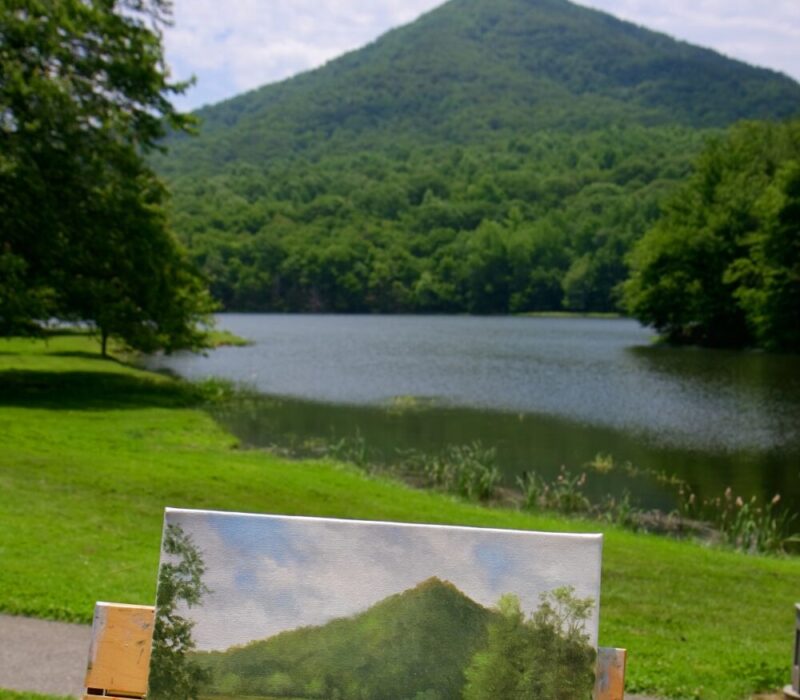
(413, 644)
(431, 642)
(473, 68)
(529, 224)
(493, 156)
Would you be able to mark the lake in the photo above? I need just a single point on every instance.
(544, 392)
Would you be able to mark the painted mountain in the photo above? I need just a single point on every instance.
(493, 156)
(428, 643)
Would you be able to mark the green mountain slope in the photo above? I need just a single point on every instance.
(472, 68)
(494, 156)
(413, 643)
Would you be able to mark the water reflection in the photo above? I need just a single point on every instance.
(523, 442)
(762, 389)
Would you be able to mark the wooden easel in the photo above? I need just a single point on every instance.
(119, 656)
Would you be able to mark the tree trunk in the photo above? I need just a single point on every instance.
(103, 342)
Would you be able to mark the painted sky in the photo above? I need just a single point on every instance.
(270, 574)
(242, 44)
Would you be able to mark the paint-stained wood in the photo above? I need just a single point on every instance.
(119, 656)
(610, 683)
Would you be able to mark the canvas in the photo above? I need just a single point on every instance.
(259, 606)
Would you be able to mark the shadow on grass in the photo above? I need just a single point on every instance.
(83, 355)
(92, 391)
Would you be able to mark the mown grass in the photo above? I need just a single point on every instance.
(92, 450)
(15, 695)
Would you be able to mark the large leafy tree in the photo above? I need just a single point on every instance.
(722, 266)
(84, 96)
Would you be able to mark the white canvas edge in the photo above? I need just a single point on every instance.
(591, 536)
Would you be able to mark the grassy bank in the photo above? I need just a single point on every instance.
(93, 450)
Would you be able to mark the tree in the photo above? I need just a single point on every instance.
(497, 671)
(173, 676)
(769, 279)
(546, 657)
(84, 96)
(722, 265)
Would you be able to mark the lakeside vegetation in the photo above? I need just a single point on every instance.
(722, 266)
(95, 449)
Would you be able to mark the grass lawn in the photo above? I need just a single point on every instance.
(92, 450)
(15, 695)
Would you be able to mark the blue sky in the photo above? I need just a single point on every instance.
(242, 44)
(270, 574)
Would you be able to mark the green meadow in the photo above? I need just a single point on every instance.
(13, 695)
(93, 449)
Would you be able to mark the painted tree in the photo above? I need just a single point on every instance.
(498, 670)
(173, 676)
(544, 657)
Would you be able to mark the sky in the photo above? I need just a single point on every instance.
(268, 574)
(239, 45)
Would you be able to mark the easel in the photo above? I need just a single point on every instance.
(119, 657)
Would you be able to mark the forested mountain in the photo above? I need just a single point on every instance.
(415, 644)
(493, 156)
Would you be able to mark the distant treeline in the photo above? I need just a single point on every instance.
(526, 224)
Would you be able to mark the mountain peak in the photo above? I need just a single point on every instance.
(471, 70)
(434, 582)
(420, 640)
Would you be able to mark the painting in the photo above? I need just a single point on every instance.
(267, 607)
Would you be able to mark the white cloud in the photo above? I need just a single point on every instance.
(242, 44)
(268, 575)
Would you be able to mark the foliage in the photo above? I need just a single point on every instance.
(723, 265)
(84, 94)
(746, 525)
(353, 450)
(467, 470)
(173, 675)
(564, 494)
(546, 656)
(524, 224)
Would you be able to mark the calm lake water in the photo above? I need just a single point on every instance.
(544, 391)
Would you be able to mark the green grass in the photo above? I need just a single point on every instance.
(218, 338)
(92, 450)
(15, 695)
